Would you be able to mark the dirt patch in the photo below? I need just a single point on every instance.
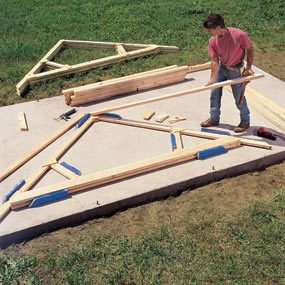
(272, 62)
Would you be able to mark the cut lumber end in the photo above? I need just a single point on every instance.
(148, 114)
(22, 86)
(22, 121)
(4, 210)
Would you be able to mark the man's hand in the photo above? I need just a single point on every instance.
(249, 71)
(214, 70)
(211, 81)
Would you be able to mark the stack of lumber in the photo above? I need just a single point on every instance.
(264, 106)
(131, 83)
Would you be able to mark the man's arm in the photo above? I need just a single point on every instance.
(214, 70)
(249, 59)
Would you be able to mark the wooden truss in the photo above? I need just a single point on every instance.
(125, 51)
(23, 197)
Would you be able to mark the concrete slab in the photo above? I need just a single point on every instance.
(108, 145)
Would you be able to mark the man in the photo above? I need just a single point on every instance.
(227, 48)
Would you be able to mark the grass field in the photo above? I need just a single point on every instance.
(230, 232)
(29, 29)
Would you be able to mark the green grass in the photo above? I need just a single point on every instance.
(30, 28)
(247, 247)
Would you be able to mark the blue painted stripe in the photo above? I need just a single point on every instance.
(215, 131)
(211, 152)
(173, 141)
(70, 167)
(49, 198)
(17, 187)
(82, 120)
(112, 115)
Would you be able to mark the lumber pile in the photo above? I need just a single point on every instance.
(118, 86)
(268, 109)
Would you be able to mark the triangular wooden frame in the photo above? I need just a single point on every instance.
(125, 51)
(22, 199)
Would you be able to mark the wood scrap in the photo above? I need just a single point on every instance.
(162, 117)
(175, 119)
(148, 114)
(22, 121)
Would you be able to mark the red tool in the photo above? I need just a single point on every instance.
(261, 132)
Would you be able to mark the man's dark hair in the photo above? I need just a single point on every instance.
(213, 21)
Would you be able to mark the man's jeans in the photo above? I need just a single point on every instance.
(237, 89)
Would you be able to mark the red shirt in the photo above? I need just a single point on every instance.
(230, 48)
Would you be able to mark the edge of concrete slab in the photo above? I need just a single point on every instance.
(141, 199)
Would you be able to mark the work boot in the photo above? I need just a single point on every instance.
(209, 123)
(241, 127)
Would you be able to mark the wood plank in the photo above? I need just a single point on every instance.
(265, 107)
(127, 46)
(74, 101)
(128, 170)
(161, 117)
(127, 87)
(178, 139)
(199, 67)
(22, 121)
(69, 142)
(187, 132)
(138, 80)
(6, 207)
(4, 210)
(178, 94)
(53, 64)
(114, 80)
(148, 114)
(23, 84)
(264, 111)
(193, 68)
(120, 49)
(30, 154)
(91, 64)
(34, 179)
(63, 171)
(175, 119)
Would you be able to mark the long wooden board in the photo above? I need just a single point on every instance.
(187, 132)
(30, 154)
(128, 170)
(179, 94)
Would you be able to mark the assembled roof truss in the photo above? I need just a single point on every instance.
(125, 51)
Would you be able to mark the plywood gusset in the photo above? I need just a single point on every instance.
(125, 51)
(20, 199)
